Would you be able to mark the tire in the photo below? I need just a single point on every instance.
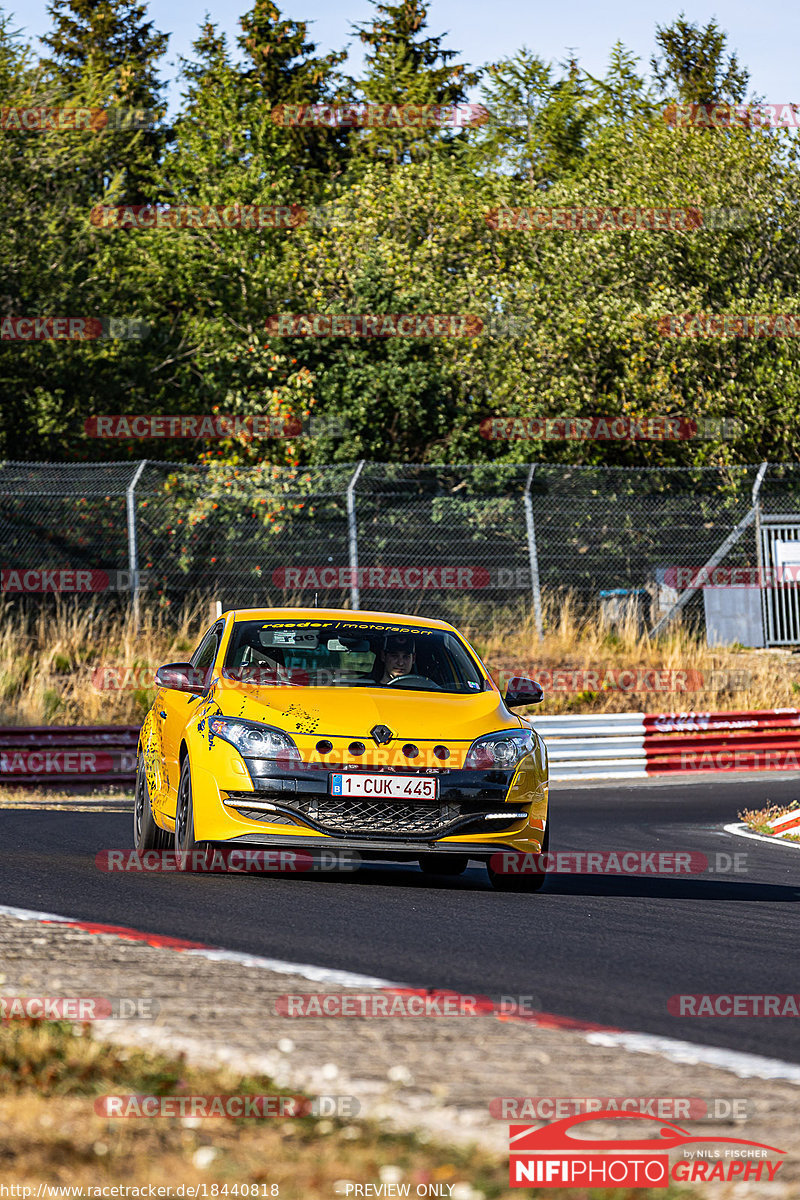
(146, 834)
(521, 883)
(443, 864)
(189, 853)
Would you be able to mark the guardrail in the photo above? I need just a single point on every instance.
(595, 746)
(68, 754)
(635, 745)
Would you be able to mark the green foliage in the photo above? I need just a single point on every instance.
(390, 221)
(538, 122)
(694, 67)
(407, 66)
(52, 702)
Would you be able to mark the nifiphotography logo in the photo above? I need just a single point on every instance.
(553, 1156)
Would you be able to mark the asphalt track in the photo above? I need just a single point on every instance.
(598, 948)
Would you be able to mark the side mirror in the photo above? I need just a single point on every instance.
(522, 691)
(181, 677)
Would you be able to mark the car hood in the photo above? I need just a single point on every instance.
(353, 712)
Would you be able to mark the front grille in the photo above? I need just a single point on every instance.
(355, 814)
(372, 816)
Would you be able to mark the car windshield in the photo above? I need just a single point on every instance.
(350, 654)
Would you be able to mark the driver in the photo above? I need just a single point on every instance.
(398, 656)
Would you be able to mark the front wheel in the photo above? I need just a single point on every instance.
(191, 855)
(146, 834)
(503, 881)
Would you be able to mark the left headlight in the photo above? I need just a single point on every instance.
(500, 750)
(255, 741)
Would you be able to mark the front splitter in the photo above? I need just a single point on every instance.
(473, 849)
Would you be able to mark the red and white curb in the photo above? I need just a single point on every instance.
(741, 830)
(737, 1062)
(788, 823)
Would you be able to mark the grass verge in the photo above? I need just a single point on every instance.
(51, 1073)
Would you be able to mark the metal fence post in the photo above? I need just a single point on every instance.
(716, 557)
(352, 536)
(133, 543)
(765, 599)
(532, 554)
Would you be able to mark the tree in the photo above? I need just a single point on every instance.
(407, 66)
(693, 67)
(624, 95)
(537, 121)
(285, 70)
(104, 53)
(91, 38)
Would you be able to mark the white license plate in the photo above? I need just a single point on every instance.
(390, 787)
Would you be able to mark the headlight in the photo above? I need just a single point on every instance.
(500, 750)
(255, 741)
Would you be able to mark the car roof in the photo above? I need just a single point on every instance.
(358, 616)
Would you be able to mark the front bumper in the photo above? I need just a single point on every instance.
(476, 812)
(467, 802)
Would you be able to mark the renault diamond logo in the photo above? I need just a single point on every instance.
(381, 734)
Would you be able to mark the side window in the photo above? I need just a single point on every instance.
(206, 652)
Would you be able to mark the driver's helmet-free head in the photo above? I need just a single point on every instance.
(395, 642)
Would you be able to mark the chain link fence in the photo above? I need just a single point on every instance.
(428, 540)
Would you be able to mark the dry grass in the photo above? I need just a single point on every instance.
(49, 1131)
(66, 798)
(759, 819)
(732, 678)
(52, 663)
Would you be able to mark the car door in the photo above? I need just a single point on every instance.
(175, 709)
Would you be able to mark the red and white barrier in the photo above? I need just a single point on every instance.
(596, 746)
(68, 754)
(635, 745)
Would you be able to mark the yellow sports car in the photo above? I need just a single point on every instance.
(317, 728)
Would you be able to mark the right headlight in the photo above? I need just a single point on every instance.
(255, 741)
(500, 750)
